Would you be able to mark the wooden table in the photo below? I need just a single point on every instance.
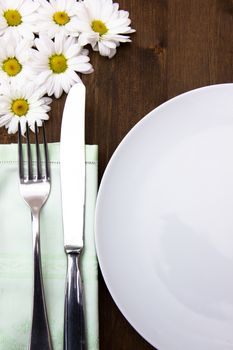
(179, 45)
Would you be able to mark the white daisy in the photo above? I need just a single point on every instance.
(57, 17)
(22, 103)
(15, 58)
(56, 63)
(18, 17)
(103, 25)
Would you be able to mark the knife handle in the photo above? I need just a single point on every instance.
(74, 327)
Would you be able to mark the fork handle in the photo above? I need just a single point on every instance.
(74, 328)
(40, 335)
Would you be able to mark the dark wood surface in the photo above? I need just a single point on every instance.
(179, 45)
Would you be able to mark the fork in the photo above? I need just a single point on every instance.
(35, 189)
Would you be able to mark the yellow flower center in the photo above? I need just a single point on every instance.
(13, 17)
(11, 66)
(20, 107)
(61, 18)
(99, 27)
(58, 63)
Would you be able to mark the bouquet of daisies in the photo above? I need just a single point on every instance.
(43, 50)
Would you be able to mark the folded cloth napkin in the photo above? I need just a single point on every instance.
(16, 254)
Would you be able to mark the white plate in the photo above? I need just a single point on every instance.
(164, 223)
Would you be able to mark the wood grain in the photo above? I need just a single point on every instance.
(179, 45)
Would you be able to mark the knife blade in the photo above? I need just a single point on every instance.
(72, 172)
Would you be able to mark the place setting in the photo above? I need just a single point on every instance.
(157, 225)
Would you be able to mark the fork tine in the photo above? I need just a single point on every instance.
(20, 153)
(38, 162)
(47, 172)
(29, 157)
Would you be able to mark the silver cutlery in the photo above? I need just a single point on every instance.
(35, 188)
(72, 158)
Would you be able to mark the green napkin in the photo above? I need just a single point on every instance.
(16, 254)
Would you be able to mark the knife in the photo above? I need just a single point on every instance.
(72, 171)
